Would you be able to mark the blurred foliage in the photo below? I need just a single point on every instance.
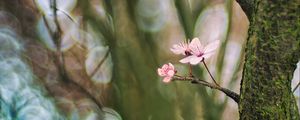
(19, 98)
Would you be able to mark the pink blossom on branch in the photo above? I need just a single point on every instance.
(167, 71)
(200, 52)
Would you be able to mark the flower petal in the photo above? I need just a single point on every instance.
(171, 66)
(196, 46)
(195, 60)
(212, 46)
(177, 49)
(191, 59)
(207, 55)
(167, 79)
(160, 72)
(171, 73)
(186, 59)
(165, 67)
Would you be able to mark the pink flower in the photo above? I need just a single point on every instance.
(181, 48)
(167, 71)
(199, 52)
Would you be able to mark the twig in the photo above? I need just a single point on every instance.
(59, 30)
(59, 56)
(296, 87)
(210, 73)
(190, 70)
(193, 80)
(100, 64)
(47, 25)
(67, 14)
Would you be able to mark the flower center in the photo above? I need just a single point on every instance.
(187, 53)
(200, 54)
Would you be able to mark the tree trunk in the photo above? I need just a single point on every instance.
(272, 53)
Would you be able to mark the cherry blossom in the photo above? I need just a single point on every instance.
(167, 71)
(199, 52)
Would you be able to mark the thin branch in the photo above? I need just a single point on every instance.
(296, 87)
(100, 64)
(67, 14)
(191, 70)
(58, 33)
(59, 55)
(47, 25)
(229, 93)
(210, 73)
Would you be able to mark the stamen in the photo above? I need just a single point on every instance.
(187, 53)
(200, 54)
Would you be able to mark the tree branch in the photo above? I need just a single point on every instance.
(210, 73)
(229, 93)
(100, 64)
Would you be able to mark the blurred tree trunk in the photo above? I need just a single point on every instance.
(272, 53)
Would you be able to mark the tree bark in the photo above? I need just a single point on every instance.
(272, 52)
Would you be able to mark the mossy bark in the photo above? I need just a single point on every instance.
(272, 52)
